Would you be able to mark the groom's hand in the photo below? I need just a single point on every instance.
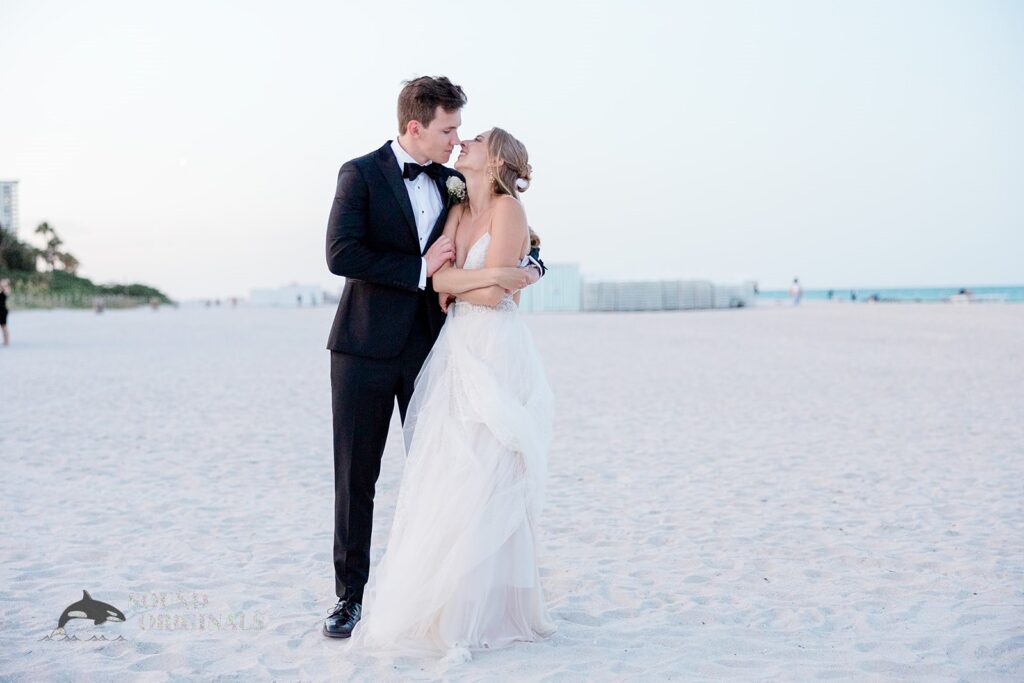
(440, 252)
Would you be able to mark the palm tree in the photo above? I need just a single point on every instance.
(53, 250)
(51, 253)
(48, 253)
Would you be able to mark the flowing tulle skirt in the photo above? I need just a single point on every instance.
(460, 569)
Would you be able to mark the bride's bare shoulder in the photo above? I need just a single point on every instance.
(507, 200)
(451, 223)
(457, 211)
(509, 210)
(509, 226)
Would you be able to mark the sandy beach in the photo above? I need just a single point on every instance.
(778, 493)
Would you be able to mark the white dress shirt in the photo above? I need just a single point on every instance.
(426, 202)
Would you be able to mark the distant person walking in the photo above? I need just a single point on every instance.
(796, 291)
(5, 289)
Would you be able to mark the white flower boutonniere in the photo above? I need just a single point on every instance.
(456, 188)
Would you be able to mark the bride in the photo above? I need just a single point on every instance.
(460, 570)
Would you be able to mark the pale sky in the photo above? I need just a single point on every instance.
(195, 146)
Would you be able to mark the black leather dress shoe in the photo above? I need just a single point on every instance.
(343, 618)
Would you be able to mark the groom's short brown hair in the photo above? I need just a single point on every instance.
(421, 97)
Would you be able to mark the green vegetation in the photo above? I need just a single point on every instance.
(57, 284)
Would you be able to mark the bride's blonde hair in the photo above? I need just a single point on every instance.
(501, 145)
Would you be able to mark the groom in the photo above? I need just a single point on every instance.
(384, 236)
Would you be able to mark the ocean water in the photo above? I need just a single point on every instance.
(1007, 293)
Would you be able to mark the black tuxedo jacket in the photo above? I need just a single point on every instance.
(372, 241)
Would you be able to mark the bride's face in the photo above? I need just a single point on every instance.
(473, 155)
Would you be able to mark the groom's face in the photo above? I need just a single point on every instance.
(438, 140)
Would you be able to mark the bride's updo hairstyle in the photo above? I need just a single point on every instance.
(513, 176)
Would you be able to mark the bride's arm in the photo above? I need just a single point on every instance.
(451, 280)
(447, 278)
(508, 235)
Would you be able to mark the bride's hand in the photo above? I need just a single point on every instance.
(445, 300)
(512, 279)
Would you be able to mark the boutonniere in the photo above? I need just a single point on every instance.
(456, 188)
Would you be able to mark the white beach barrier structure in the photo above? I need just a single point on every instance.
(671, 295)
(559, 290)
(564, 289)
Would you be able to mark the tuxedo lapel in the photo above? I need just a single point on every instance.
(388, 165)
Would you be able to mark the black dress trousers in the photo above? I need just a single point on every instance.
(363, 395)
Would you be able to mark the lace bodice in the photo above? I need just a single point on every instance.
(475, 259)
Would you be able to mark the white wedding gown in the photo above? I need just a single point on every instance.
(460, 569)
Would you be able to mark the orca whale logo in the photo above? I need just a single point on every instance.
(87, 608)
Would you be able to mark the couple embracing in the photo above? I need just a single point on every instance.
(434, 259)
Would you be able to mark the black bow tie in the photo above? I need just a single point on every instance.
(435, 171)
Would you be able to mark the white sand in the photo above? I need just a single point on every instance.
(828, 492)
